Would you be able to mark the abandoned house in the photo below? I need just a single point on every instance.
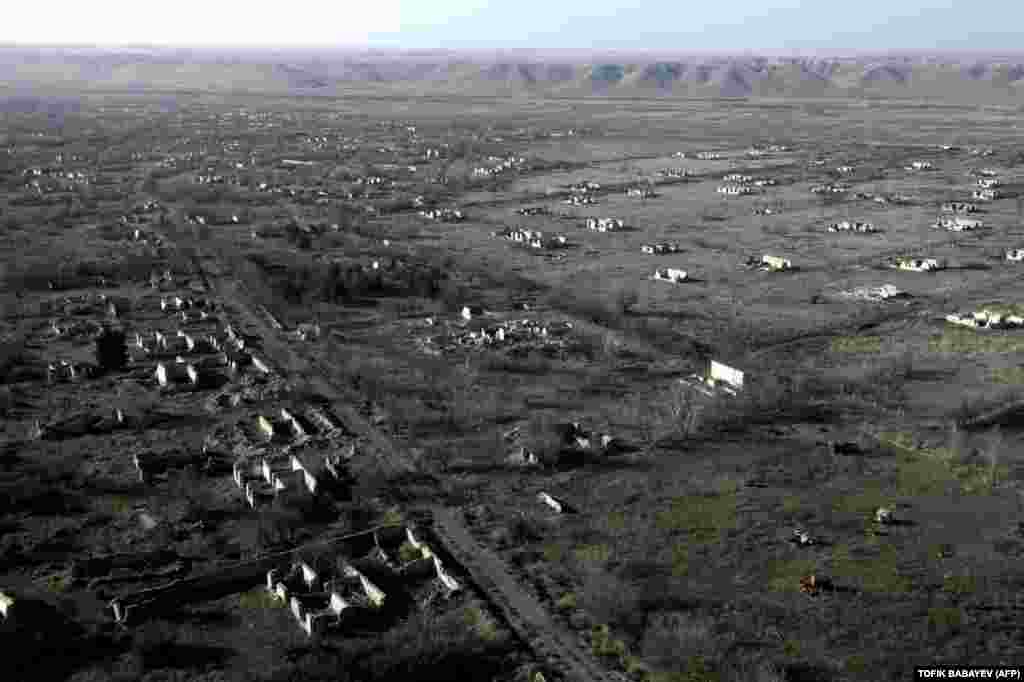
(917, 264)
(176, 373)
(986, 319)
(829, 188)
(772, 263)
(670, 275)
(957, 223)
(605, 224)
(959, 207)
(720, 378)
(851, 226)
(880, 293)
(735, 190)
(660, 248)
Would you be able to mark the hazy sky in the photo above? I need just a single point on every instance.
(737, 25)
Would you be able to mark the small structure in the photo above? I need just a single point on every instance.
(884, 516)
(880, 293)
(920, 165)
(735, 190)
(673, 275)
(662, 248)
(957, 223)
(469, 312)
(1015, 255)
(987, 194)
(551, 502)
(775, 263)
(720, 378)
(802, 538)
(605, 224)
(917, 264)
(960, 207)
(6, 606)
(852, 226)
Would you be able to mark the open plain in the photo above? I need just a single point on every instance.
(292, 387)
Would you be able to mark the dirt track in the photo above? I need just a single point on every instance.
(560, 649)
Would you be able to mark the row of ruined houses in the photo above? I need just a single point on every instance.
(534, 238)
(337, 592)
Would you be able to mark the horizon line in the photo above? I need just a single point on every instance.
(793, 52)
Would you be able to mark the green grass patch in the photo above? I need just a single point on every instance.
(792, 504)
(964, 340)
(567, 602)
(960, 585)
(784, 576)
(857, 663)
(481, 623)
(945, 620)
(258, 598)
(592, 554)
(697, 670)
(877, 572)
(407, 553)
(616, 521)
(704, 518)
(857, 344)
(924, 474)
(1008, 375)
(553, 552)
(58, 583)
(865, 501)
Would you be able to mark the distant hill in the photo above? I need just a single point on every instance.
(961, 79)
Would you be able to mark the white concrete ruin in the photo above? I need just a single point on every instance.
(673, 275)
(918, 264)
(7, 605)
(849, 226)
(880, 293)
(550, 501)
(776, 263)
(957, 223)
(720, 372)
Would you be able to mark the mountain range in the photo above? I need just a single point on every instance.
(958, 77)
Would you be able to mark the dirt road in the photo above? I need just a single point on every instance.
(560, 649)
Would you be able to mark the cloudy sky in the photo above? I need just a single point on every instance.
(738, 25)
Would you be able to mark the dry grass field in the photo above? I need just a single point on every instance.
(672, 559)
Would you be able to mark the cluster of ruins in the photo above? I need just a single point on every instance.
(957, 223)
(673, 275)
(770, 263)
(661, 248)
(534, 238)
(917, 264)
(987, 319)
(852, 226)
(605, 224)
(444, 215)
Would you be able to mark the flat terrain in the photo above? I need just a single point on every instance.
(453, 362)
